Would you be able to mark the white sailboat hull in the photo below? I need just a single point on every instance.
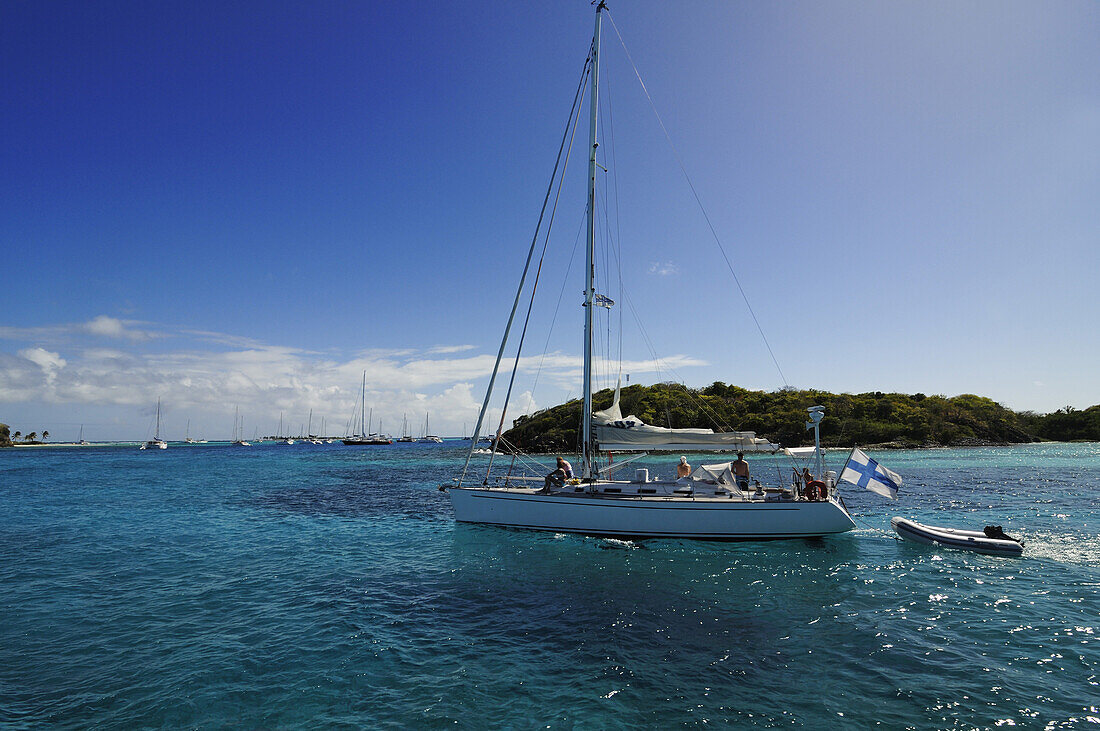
(649, 517)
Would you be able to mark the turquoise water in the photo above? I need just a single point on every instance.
(292, 586)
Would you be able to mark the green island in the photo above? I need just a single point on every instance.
(875, 419)
(7, 439)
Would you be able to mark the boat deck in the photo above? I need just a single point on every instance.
(664, 490)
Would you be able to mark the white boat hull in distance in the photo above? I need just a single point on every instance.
(699, 446)
(649, 517)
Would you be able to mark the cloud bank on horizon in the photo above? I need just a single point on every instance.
(126, 365)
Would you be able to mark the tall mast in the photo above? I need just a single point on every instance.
(157, 435)
(363, 407)
(588, 458)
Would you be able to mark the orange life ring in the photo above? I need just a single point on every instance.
(816, 490)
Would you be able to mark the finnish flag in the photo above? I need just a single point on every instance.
(863, 471)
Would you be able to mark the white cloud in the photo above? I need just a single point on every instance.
(233, 341)
(445, 349)
(49, 362)
(266, 380)
(663, 269)
(99, 326)
(111, 327)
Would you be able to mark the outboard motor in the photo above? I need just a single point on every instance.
(995, 531)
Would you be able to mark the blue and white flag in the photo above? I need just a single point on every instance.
(601, 300)
(863, 471)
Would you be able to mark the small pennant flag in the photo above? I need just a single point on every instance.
(603, 301)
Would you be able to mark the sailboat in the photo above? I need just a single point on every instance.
(428, 437)
(81, 441)
(363, 438)
(309, 431)
(187, 436)
(405, 436)
(711, 503)
(238, 430)
(156, 442)
(285, 440)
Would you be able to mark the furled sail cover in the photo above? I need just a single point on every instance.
(630, 434)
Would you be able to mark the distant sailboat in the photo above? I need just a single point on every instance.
(405, 436)
(82, 442)
(309, 431)
(238, 430)
(156, 442)
(187, 436)
(363, 438)
(428, 438)
(286, 440)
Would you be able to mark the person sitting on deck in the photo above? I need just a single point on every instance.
(683, 469)
(563, 472)
(803, 482)
(741, 471)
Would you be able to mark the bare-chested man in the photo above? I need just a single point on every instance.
(741, 471)
(562, 472)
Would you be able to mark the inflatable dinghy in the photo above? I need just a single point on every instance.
(992, 540)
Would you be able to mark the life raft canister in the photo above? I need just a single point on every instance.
(816, 490)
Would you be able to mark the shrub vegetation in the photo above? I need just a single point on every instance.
(864, 419)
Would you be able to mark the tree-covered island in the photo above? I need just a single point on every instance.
(875, 419)
(8, 439)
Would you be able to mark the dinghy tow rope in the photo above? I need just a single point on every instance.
(874, 528)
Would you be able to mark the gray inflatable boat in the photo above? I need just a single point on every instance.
(992, 540)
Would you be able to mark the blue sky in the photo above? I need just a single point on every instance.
(250, 203)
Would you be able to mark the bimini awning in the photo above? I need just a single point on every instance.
(800, 452)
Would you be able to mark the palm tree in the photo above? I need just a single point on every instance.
(31, 437)
(45, 435)
(16, 435)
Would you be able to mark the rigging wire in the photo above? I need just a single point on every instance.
(527, 265)
(698, 200)
(616, 241)
(557, 308)
(535, 283)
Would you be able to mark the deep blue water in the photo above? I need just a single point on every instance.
(301, 586)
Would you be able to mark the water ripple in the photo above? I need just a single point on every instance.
(287, 588)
